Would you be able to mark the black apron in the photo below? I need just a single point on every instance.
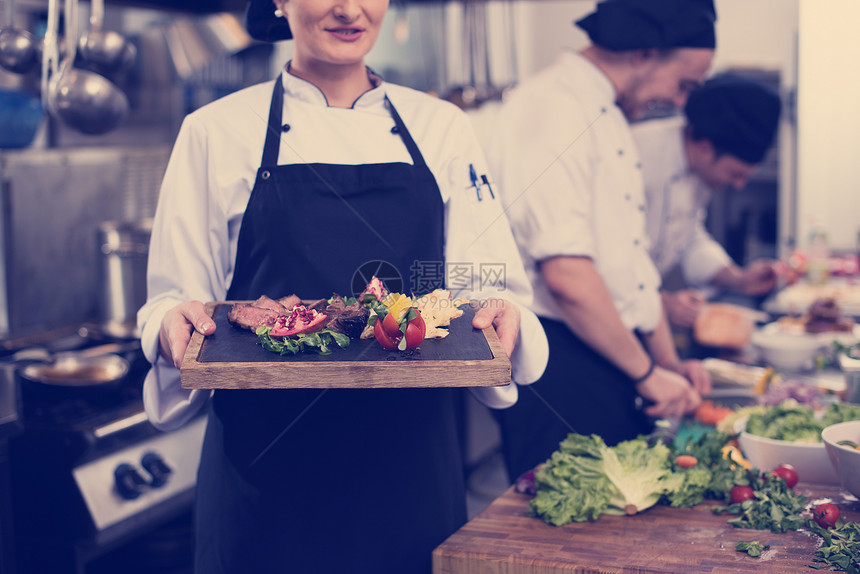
(363, 480)
(580, 391)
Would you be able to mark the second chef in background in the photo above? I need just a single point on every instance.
(571, 180)
(727, 128)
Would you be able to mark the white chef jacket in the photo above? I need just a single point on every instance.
(676, 204)
(212, 170)
(571, 180)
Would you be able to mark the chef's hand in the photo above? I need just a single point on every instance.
(177, 326)
(502, 315)
(671, 394)
(759, 277)
(682, 307)
(694, 371)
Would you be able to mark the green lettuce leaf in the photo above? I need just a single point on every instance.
(585, 478)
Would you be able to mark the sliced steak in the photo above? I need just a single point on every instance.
(247, 316)
(265, 302)
(349, 320)
(319, 305)
(290, 301)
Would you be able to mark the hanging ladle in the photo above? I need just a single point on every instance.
(83, 100)
(105, 51)
(18, 48)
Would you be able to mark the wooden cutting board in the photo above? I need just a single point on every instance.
(503, 540)
(233, 358)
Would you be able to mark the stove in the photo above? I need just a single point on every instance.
(90, 475)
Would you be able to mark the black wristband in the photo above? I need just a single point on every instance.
(647, 374)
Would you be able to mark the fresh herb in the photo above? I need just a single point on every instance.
(321, 342)
(347, 301)
(775, 507)
(753, 548)
(840, 549)
(585, 478)
(378, 309)
(711, 478)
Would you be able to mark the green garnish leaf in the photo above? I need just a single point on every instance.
(341, 339)
(753, 548)
(840, 549)
(319, 342)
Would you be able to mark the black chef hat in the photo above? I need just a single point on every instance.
(738, 115)
(621, 25)
(262, 24)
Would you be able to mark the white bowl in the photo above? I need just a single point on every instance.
(786, 351)
(845, 460)
(809, 460)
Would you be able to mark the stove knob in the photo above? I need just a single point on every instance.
(129, 483)
(157, 468)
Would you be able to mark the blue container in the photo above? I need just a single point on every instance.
(20, 117)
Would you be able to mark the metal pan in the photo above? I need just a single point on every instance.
(73, 371)
(90, 368)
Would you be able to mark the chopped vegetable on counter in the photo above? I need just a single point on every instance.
(709, 413)
(753, 548)
(712, 477)
(774, 507)
(840, 549)
(585, 478)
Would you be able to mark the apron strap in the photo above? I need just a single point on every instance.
(417, 158)
(272, 147)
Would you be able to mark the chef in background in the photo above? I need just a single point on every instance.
(571, 179)
(291, 186)
(726, 129)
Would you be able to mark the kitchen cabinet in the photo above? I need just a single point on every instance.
(503, 540)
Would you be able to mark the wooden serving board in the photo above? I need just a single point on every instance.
(503, 540)
(232, 358)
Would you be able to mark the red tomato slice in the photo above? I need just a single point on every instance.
(382, 336)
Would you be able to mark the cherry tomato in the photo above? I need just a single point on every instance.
(788, 474)
(388, 332)
(826, 515)
(739, 493)
(382, 336)
(686, 461)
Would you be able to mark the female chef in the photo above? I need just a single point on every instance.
(289, 187)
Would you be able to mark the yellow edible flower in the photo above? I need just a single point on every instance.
(398, 305)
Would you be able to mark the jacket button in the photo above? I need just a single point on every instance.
(395, 130)
(285, 128)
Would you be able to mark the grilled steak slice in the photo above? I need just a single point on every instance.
(349, 320)
(319, 305)
(290, 301)
(250, 317)
(265, 302)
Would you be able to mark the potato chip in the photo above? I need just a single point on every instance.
(438, 309)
